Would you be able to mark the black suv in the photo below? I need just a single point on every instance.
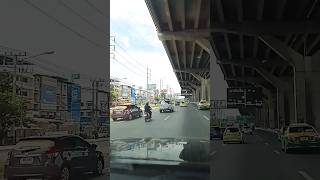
(53, 157)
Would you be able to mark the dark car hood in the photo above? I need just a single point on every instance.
(168, 150)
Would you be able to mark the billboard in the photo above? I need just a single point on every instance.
(152, 87)
(74, 101)
(125, 91)
(244, 97)
(48, 94)
(133, 95)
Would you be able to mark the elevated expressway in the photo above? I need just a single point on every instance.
(273, 44)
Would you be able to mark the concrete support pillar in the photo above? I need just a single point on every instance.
(209, 90)
(300, 95)
(312, 66)
(280, 108)
(291, 106)
(271, 112)
(204, 89)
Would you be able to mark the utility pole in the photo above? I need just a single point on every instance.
(93, 104)
(147, 84)
(97, 104)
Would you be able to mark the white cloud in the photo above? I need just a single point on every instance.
(130, 11)
(125, 41)
(134, 13)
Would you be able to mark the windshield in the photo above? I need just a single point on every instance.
(34, 144)
(301, 129)
(232, 130)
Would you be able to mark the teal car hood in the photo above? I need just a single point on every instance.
(175, 150)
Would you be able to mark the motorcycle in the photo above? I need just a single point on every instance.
(147, 117)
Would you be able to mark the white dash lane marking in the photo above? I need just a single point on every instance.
(167, 118)
(206, 117)
(277, 152)
(305, 175)
(213, 153)
(266, 144)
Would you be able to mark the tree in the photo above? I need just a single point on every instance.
(114, 94)
(12, 109)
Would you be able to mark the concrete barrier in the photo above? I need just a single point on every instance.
(268, 130)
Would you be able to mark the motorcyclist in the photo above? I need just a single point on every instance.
(147, 109)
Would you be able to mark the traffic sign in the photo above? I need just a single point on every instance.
(244, 97)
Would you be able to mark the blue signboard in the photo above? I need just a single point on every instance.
(48, 94)
(74, 101)
(133, 95)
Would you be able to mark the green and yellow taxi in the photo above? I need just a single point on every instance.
(203, 104)
(183, 103)
(232, 135)
(300, 136)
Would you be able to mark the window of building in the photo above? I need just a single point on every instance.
(24, 79)
(24, 93)
(89, 103)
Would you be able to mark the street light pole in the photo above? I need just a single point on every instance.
(14, 85)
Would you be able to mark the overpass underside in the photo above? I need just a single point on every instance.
(273, 44)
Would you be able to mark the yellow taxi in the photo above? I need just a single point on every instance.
(203, 104)
(183, 104)
(300, 136)
(232, 134)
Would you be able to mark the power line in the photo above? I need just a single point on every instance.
(127, 59)
(81, 17)
(128, 68)
(94, 7)
(128, 54)
(72, 10)
(60, 23)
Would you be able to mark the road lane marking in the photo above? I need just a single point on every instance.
(213, 153)
(167, 118)
(266, 144)
(206, 117)
(118, 122)
(305, 175)
(277, 152)
(223, 144)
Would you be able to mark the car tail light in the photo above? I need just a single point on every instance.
(52, 152)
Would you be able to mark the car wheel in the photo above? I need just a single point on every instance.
(160, 111)
(114, 119)
(65, 173)
(130, 117)
(99, 167)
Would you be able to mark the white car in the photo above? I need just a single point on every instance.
(166, 106)
(247, 130)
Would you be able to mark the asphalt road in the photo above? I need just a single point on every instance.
(184, 122)
(261, 158)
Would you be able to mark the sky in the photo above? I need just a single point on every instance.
(137, 46)
(79, 36)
